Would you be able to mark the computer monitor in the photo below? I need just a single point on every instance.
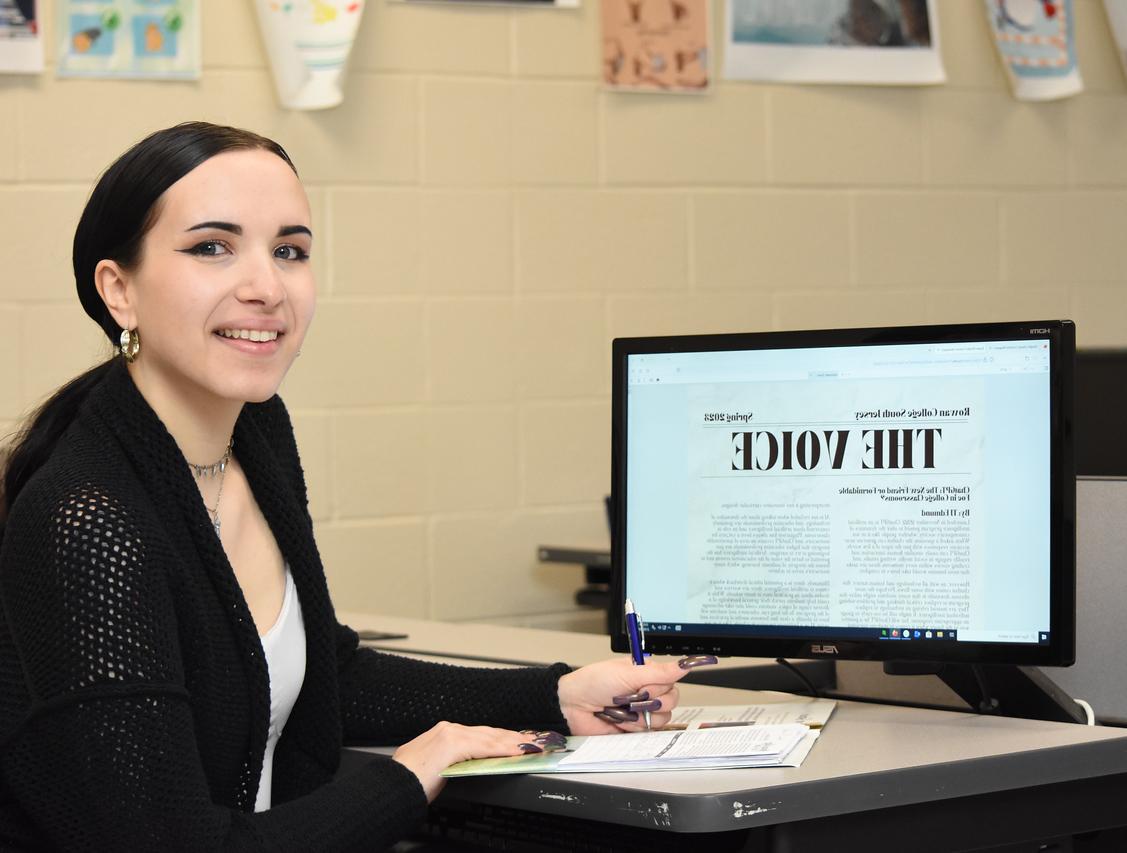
(894, 494)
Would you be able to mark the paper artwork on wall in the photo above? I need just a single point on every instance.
(656, 45)
(309, 42)
(833, 41)
(1036, 43)
(21, 43)
(540, 4)
(146, 39)
(1117, 17)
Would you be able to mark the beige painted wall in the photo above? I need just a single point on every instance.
(487, 220)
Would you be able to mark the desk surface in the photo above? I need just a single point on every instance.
(869, 756)
(480, 642)
(475, 642)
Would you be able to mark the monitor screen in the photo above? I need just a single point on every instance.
(885, 494)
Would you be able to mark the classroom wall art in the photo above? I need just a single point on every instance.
(309, 42)
(1037, 47)
(833, 41)
(655, 45)
(21, 41)
(559, 4)
(147, 39)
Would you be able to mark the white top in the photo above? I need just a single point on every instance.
(284, 646)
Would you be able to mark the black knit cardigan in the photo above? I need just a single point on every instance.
(134, 694)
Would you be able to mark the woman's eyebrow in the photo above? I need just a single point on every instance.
(287, 230)
(284, 231)
(220, 226)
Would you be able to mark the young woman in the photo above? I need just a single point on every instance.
(172, 675)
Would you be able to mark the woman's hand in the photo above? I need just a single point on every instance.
(448, 743)
(613, 695)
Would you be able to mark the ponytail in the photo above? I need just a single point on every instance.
(32, 445)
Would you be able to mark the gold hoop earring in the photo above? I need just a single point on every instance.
(130, 344)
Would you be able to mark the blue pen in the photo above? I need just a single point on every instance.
(636, 636)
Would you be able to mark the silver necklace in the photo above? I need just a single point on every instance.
(215, 468)
(214, 511)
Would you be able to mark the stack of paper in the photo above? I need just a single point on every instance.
(773, 734)
(741, 746)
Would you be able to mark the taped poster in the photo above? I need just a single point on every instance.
(1037, 46)
(884, 42)
(146, 39)
(309, 42)
(21, 42)
(656, 45)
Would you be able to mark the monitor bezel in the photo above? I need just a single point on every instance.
(1061, 648)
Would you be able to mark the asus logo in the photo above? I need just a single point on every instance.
(819, 649)
(1038, 331)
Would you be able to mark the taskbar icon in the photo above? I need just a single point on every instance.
(917, 634)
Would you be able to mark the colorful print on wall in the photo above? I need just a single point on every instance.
(559, 4)
(1036, 43)
(833, 41)
(21, 43)
(309, 42)
(656, 45)
(146, 39)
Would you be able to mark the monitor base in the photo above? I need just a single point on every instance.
(1002, 690)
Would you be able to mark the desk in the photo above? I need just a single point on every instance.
(477, 643)
(879, 776)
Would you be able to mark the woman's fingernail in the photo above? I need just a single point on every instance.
(652, 705)
(607, 718)
(620, 715)
(640, 696)
(529, 747)
(697, 660)
(546, 733)
(551, 739)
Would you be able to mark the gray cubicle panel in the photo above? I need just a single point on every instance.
(1098, 677)
(1101, 412)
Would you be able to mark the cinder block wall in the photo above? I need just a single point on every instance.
(487, 219)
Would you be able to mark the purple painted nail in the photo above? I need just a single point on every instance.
(529, 747)
(547, 733)
(620, 715)
(697, 660)
(641, 696)
(607, 718)
(653, 705)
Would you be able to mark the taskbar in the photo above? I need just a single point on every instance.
(893, 634)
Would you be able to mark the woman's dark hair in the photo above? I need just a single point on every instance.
(121, 210)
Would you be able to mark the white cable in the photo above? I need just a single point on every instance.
(1088, 712)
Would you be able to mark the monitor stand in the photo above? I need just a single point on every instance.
(1002, 690)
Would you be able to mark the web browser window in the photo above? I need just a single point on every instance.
(898, 492)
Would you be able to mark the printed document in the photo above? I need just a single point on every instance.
(741, 746)
(772, 734)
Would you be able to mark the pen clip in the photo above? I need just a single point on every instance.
(641, 633)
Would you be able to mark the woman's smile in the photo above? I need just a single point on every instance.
(254, 337)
